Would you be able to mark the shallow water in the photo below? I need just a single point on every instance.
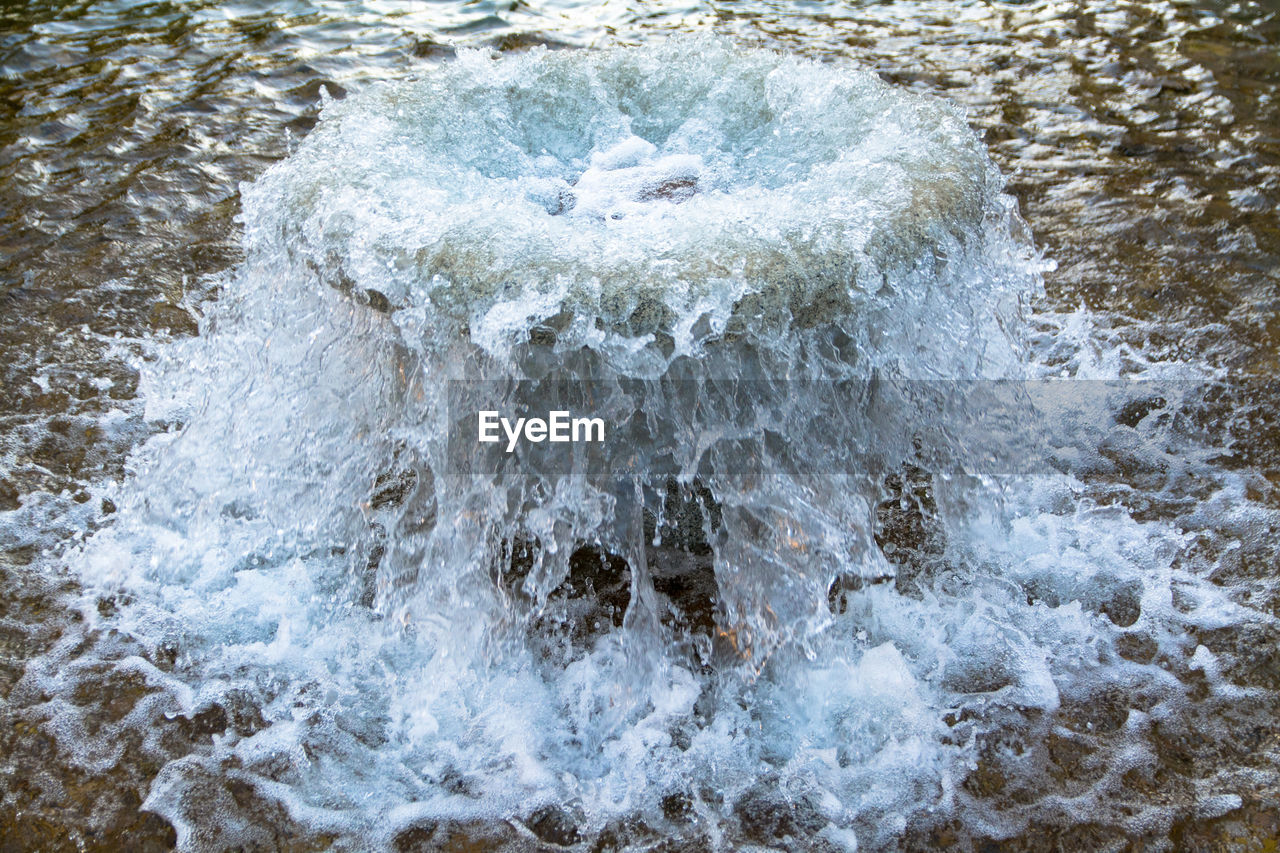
(1133, 595)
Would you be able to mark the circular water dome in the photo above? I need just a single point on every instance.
(326, 551)
(677, 191)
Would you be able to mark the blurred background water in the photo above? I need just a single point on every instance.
(1141, 140)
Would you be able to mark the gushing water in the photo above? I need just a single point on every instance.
(730, 256)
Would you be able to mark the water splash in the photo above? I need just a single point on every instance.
(724, 252)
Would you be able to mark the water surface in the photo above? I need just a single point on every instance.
(1140, 142)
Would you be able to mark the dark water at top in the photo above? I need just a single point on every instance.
(1141, 140)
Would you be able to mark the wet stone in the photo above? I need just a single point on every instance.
(694, 844)
(416, 839)
(678, 808)
(623, 835)
(173, 319)
(8, 496)
(987, 779)
(1098, 711)
(1121, 602)
(766, 815)
(479, 837)
(909, 530)
(554, 825)
(1135, 411)
(590, 602)
(1251, 653)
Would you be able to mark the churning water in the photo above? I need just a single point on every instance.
(847, 570)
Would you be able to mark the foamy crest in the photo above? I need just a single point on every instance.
(672, 193)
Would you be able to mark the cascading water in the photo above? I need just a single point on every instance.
(725, 233)
(738, 261)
